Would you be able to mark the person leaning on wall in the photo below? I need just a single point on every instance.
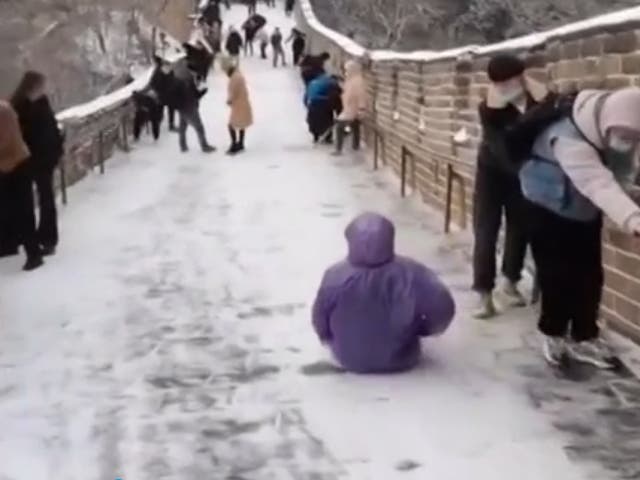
(511, 93)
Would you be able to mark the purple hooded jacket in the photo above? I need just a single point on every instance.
(372, 308)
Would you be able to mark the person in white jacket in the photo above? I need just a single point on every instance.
(596, 151)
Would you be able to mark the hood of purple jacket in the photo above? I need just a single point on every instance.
(371, 240)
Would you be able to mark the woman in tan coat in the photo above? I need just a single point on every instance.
(354, 106)
(241, 116)
(17, 211)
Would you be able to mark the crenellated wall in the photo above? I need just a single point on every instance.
(420, 100)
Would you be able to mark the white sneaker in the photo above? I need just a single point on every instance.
(554, 349)
(596, 352)
(486, 308)
(513, 295)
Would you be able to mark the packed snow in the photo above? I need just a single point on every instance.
(170, 336)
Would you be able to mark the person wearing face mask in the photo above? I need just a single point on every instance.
(581, 166)
(497, 188)
(44, 139)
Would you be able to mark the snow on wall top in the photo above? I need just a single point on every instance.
(105, 102)
(524, 42)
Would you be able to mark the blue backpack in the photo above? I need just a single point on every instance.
(543, 181)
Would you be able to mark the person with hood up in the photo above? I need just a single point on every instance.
(234, 44)
(354, 106)
(322, 99)
(241, 116)
(580, 167)
(497, 187)
(17, 211)
(373, 307)
(45, 142)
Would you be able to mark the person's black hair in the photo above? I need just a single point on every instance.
(29, 81)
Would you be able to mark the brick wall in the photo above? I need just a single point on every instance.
(419, 101)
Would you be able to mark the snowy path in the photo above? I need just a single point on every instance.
(170, 337)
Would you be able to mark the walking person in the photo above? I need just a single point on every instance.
(263, 38)
(278, 50)
(298, 45)
(288, 7)
(354, 106)
(17, 209)
(160, 83)
(497, 187)
(249, 37)
(241, 115)
(233, 44)
(45, 142)
(185, 98)
(252, 7)
(581, 167)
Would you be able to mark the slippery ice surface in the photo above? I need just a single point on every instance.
(170, 337)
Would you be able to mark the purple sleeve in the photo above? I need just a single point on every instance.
(435, 307)
(322, 308)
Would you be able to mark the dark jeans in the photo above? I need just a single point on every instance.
(568, 258)
(18, 224)
(48, 214)
(341, 132)
(497, 192)
(278, 53)
(192, 117)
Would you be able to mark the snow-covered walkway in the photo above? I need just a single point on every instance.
(170, 337)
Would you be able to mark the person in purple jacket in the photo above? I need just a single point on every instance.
(373, 307)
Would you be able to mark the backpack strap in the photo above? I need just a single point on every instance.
(597, 111)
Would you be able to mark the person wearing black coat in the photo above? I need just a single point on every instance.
(298, 45)
(184, 96)
(497, 186)
(234, 43)
(160, 82)
(46, 144)
(288, 7)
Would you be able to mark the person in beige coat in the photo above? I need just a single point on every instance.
(241, 115)
(354, 106)
(17, 210)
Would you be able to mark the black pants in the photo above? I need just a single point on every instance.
(568, 258)
(355, 133)
(18, 211)
(263, 50)
(320, 119)
(192, 117)
(248, 46)
(496, 192)
(47, 230)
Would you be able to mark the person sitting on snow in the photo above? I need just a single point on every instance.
(373, 307)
